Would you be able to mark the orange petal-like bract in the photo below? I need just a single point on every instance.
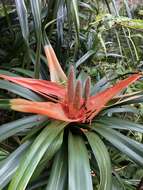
(96, 103)
(50, 109)
(42, 87)
(56, 72)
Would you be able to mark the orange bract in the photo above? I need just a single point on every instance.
(57, 74)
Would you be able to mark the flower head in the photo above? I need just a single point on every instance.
(70, 102)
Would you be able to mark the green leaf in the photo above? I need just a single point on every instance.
(5, 72)
(23, 18)
(21, 91)
(79, 168)
(74, 9)
(116, 123)
(135, 99)
(4, 104)
(85, 57)
(58, 176)
(3, 154)
(125, 109)
(11, 128)
(35, 154)
(131, 148)
(73, 17)
(103, 160)
(24, 71)
(9, 165)
(36, 12)
(130, 23)
(117, 185)
(54, 147)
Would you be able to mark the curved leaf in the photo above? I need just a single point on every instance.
(103, 160)
(23, 18)
(11, 128)
(85, 57)
(9, 165)
(58, 176)
(79, 168)
(5, 72)
(74, 11)
(36, 13)
(116, 123)
(35, 154)
(21, 91)
(54, 147)
(23, 71)
(131, 148)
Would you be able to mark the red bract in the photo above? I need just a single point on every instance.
(69, 102)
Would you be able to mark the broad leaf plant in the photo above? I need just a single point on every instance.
(66, 143)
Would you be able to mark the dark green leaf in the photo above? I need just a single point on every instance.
(85, 57)
(131, 148)
(5, 72)
(21, 91)
(11, 128)
(103, 160)
(58, 176)
(36, 12)
(79, 168)
(116, 123)
(9, 166)
(54, 147)
(24, 71)
(35, 154)
(23, 18)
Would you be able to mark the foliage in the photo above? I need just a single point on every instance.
(103, 152)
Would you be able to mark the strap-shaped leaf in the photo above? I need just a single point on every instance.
(21, 91)
(85, 57)
(131, 148)
(23, 18)
(35, 154)
(36, 12)
(103, 160)
(23, 71)
(116, 123)
(58, 176)
(9, 166)
(79, 168)
(11, 128)
(54, 147)
(74, 11)
(73, 16)
(5, 72)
